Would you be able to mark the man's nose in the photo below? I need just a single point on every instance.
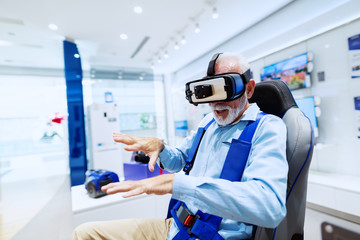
(212, 104)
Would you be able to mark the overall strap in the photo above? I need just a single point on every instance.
(250, 128)
(195, 146)
(190, 159)
(238, 153)
(205, 226)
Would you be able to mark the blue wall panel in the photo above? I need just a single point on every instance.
(74, 92)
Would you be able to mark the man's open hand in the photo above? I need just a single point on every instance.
(149, 145)
(158, 185)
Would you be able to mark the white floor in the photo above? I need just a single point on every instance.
(54, 220)
(28, 185)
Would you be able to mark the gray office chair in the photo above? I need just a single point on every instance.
(275, 97)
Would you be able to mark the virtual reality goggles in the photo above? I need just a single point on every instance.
(217, 87)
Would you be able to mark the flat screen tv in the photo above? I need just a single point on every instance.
(307, 106)
(292, 71)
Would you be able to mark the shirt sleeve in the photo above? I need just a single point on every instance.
(260, 197)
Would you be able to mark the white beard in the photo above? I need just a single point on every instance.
(233, 113)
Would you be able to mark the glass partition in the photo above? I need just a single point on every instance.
(33, 147)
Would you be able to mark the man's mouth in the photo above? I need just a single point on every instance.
(221, 113)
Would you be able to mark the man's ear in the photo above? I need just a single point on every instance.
(250, 88)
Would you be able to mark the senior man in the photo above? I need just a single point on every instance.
(236, 178)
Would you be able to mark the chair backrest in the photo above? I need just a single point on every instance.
(275, 97)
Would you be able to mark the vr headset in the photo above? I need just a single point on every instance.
(223, 87)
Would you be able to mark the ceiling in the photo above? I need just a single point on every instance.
(96, 26)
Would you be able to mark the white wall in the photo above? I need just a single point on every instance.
(133, 98)
(299, 27)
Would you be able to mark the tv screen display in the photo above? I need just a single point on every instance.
(307, 106)
(292, 71)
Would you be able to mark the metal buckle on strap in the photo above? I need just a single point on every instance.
(193, 220)
(187, 167)
(186, 217)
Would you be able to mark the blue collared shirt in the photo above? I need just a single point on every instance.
(258, 199)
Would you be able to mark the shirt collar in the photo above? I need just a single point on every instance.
(249, 114)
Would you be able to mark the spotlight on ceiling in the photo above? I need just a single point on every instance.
(176, 47)
(197, 28)
(215, 13)
(183, 40)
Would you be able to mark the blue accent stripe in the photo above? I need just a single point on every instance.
(274, 233)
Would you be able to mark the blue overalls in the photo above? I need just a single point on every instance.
(203, 225)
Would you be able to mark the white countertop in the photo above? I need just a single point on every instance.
(82, 202)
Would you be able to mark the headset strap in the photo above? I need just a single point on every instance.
(211, 67)
(246, 76)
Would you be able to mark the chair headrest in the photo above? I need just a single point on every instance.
(273, 97)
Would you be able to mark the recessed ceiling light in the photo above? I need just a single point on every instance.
(4, 43)
(123, 36)
(138, 9)
(53, 27)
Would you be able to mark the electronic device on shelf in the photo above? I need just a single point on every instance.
(95, 179)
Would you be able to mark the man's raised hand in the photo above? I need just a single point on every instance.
(149, 145)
